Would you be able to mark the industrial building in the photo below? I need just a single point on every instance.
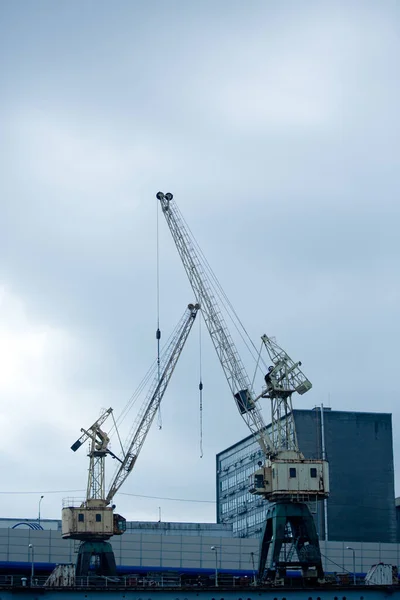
(359, 448)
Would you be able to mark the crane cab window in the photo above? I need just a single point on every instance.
(313, 472)
(292, 472)
(98, 517)
(259, 481)
(81, 517)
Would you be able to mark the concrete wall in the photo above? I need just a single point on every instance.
(182, 552)
(136, 550)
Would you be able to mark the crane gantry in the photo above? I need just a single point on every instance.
(286, 479)
(94, 522)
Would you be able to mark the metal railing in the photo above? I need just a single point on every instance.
(133, 581)
(167, 581)
(69, 502)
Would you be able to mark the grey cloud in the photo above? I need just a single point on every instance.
(277, 130)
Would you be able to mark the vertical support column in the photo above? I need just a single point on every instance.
(324, 458)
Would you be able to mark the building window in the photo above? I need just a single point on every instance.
(232, 504)
(98, 517)
(292, 472)
(81, 517)
(251, 520)
(241, 476)
(313, 472)
(260, 516)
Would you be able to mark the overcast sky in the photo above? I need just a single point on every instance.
(275, 125)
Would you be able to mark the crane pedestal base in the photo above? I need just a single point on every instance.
(97, 557)
(289, 540)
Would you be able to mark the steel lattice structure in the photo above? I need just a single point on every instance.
(286, 477)
(152, 402)
(225, 348)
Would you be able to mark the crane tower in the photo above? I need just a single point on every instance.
(286, 479)
(93, 521)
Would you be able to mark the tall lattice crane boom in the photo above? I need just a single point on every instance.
(225, 348)
(152, 402)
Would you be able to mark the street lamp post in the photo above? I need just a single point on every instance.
(354, 563)
(32, 550)
(41, 498)
(215, 549)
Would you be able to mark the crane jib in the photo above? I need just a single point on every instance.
(196, 269)
(153, 400)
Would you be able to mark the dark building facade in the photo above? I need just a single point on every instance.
(398, 519)
(359, 448)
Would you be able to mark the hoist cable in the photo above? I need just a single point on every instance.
(158, 271)
(221, 295)
(136, 394)
(201, 391)
(219, 292)
(158, 332)
(142, 385)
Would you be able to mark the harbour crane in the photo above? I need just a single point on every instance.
(94, 522)
(286, 479)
